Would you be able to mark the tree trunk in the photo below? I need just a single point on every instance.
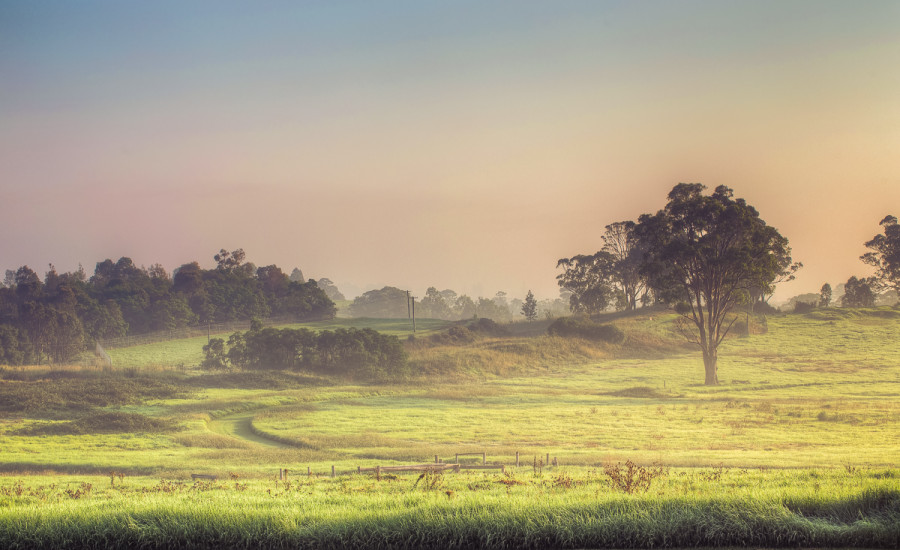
(710, 358)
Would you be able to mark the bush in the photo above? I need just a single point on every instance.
(581, 327)
(803, 307)
(487, 326)
(468, 333)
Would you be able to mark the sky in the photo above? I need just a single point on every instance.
(465, 145)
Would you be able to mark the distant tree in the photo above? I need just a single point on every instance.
(858, 293)
(825, 295)
(808, 298)
(12, 346)
(589, 280)
(330, 289)
(490, 309)
(229, 261)
(297, 276)
(388, 302)
(188, 279)
(103, 321)
(274, 282)
(885, 255)
(433, 305)
(28, 285)
(705, 253)
(529, 307)
(214, 355)
(157, 271)
(305, 301)
(449, 296)
(620, 241)
(65, 336)
(464, 307)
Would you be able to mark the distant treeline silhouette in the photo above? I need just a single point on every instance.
(57, 318)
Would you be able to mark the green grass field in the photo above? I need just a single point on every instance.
(797, 447)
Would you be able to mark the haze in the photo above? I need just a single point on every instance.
(463, 145)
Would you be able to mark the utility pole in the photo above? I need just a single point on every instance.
(414, 312)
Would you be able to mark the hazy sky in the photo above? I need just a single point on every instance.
(463, 145)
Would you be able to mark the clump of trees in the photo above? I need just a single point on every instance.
(703, 254)
(883, 287)
(362, 353)
(56, 318)
(858, 293)
(611, 276)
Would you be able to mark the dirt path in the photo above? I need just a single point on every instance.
(237, 425)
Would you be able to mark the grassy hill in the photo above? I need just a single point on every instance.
(806, 424)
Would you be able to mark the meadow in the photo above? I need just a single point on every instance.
(797, 447)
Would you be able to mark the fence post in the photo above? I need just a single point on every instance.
(377, 473)
(517, 459)
(332, 470)
(435, 459)
(308, 471)
(457, 458)
(483, 458)
(548, 460)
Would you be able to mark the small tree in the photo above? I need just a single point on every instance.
(885, 255)
(825, 295)
(529, 307)
(589, 280)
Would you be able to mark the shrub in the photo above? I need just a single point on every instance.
(487, 326)
(581, 327)
(803, 307)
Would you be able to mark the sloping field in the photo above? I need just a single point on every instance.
(797, 447)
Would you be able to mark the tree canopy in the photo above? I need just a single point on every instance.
(707, 253)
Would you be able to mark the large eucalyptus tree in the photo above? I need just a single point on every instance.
(707, 254)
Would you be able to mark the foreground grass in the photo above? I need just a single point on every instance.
(525, 509)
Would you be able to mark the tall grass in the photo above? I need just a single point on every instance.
(560, 510)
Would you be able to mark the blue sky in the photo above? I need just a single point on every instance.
(464, 145)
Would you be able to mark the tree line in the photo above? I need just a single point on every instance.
(56, 318)
(392, 303)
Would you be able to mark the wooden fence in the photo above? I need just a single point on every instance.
(437, 466)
